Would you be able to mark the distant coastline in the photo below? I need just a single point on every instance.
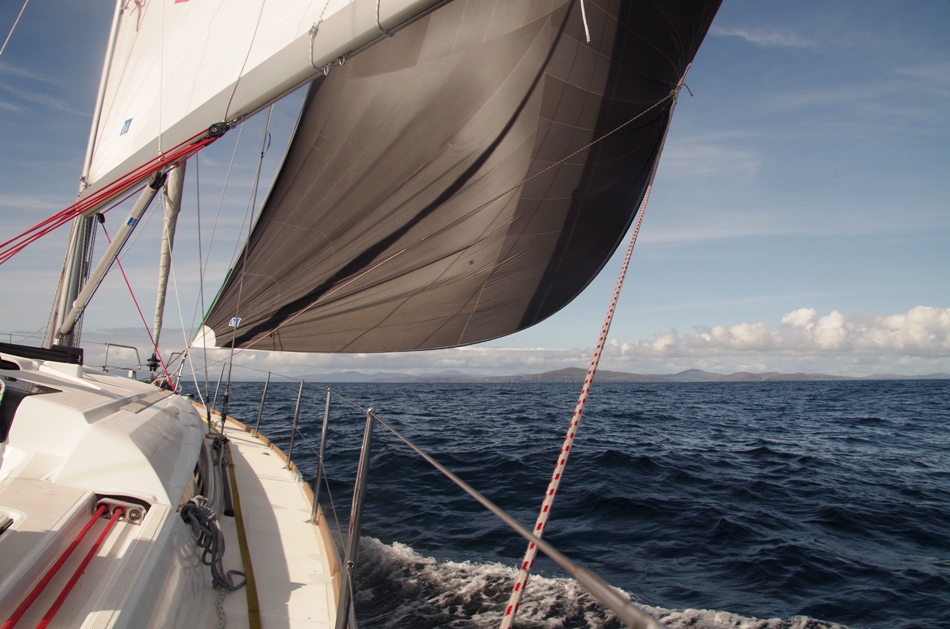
(576, 375)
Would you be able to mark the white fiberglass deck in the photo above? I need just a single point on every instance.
(294, 569)
(78, 438)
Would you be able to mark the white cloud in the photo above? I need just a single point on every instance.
(19, 72)
(30, 201)
(45, 100)
(764, 38)
(916, 342)
(923, 332)
(698, 157)
(939, 72)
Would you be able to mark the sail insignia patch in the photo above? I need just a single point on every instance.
(234, 322)
(125, 127)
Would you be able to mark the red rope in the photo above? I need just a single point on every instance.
(38, 589)
(82, 567)
(135, 301)
(514, 601)
(13, 246)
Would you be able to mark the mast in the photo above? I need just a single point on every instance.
(75, 272)
(67, 330)
(173, 192)
(78, 251)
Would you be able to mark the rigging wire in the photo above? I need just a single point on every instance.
(339, 530)
(201, 283)
(252, 200)
(251, 203)
(214, 226)
(32, 334)
(15, 22)
(203, 265)
(136, 302)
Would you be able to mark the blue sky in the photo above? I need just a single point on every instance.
(800, 218)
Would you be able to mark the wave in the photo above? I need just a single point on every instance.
(398, 588)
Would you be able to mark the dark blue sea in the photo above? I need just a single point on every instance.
(753, 505)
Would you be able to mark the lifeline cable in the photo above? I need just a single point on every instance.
(151, 339)
(600, 590)
(516, 593)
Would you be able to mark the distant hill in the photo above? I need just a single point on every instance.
(577, 375)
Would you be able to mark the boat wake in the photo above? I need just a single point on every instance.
(399, 588)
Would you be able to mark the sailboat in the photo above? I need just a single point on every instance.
(460, 170)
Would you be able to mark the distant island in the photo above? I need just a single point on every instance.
(576, 375)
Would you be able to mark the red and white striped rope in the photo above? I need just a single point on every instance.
(117, 187)
(515, 600)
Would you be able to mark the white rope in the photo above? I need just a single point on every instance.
(313, 35)
(378, 25)
(584, 18)
(15, 22)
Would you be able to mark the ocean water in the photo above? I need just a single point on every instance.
(753, 505)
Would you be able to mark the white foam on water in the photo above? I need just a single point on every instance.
(398, 588)
(708, 619)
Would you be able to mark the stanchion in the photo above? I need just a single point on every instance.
(353, 534)
(260, 411)
(323, 443)
(293, 429)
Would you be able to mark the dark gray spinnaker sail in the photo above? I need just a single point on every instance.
(368, 241)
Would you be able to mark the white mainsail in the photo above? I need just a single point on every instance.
(178, 66)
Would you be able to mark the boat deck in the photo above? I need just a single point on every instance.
(295, 566)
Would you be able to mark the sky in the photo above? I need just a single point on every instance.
(800, 218)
